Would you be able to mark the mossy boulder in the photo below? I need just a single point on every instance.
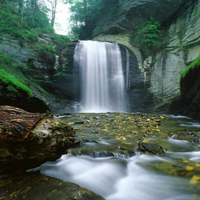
(15, 93)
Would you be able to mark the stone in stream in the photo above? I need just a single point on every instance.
(151, 148)
(79, 122)
(28, 139)
(104, 154)
(34, 186)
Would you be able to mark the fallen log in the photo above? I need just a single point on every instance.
(30, 139)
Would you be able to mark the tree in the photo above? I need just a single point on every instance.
(53, 4)
(146, 36)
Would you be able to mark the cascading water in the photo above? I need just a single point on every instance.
(102, 79)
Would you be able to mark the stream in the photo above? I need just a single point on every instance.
(111, 158)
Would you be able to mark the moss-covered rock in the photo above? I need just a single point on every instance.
(15, 93)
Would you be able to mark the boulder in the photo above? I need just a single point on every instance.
(27, 139)
(34, 186)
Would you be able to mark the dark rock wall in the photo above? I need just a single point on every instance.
(190, 92)
(138, 98)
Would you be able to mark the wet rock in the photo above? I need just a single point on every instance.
(87, 152)
(128, 149)
(92, 141)
(151, 148)
(79, 122)
(34, 186)
(104, 154)
(77, 142)
(174, 137)
(27, 140)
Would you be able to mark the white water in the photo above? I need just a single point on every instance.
(102, 79)
(120, 179)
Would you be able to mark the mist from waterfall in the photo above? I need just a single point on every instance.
(102, 79)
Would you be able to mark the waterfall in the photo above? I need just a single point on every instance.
(102, 80)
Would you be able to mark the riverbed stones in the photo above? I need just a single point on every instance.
(28, 139)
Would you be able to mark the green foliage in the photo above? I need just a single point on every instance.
(5, 60)
(11, 66)
(147, 36)
(86, 13)
(60, 40)
(12, 84)
(24, 23)
(195, 63)
(46, 48)
(30, 35)
(58, 74)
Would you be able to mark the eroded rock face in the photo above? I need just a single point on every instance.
(182, 48)
(132, 13)
(28, 140)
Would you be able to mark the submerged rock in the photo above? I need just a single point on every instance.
(151, 148)
(28, 140)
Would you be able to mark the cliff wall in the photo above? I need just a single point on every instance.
(182, 26)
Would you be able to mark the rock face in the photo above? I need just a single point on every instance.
(30, 104)
(131, 13)
(28, 140)
(161, 78)
(48, 74)
(190, 92)
(183, 47)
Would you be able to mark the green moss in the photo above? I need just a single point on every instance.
(195, 63)
(40, 88)
(12, 84)
(13, 67)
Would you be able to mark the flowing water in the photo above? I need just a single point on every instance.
(138, 176)
(101, 75)
(110, 160)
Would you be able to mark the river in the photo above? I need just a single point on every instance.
(111, 161)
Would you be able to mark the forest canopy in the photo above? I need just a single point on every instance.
(86, 13)
(24, 19)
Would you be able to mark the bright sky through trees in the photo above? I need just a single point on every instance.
(62, 18)
(62, 25)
